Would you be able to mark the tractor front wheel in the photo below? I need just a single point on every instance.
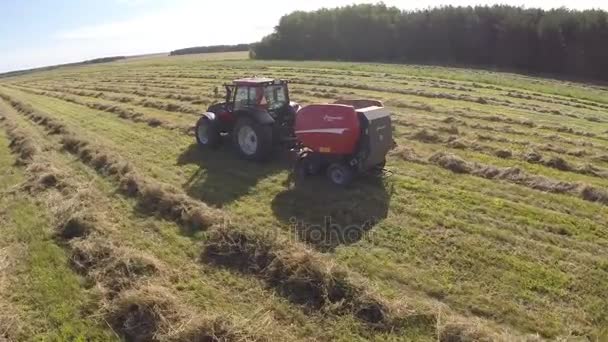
(340, 174)
(206, 133)
(252, 140)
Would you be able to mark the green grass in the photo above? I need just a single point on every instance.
(515, 258)
(52, 300)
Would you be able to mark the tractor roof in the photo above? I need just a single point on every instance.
(257, 81)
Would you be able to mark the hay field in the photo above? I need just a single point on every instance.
(115, 225)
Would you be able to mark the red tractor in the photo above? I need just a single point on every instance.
(345, 138)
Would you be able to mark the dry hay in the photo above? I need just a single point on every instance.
(594, 195)
(602, 158)
(166, 201)
(426, 136)
(409, 105)
(511, 174)
(153, 313)
(21, 145)
(558, 163)
(532, 157)
(74, 213)
(460, 144)
(43, 176)
(450, 130)
(298, 274)
(169, 202)
(144, 314)
(450, 162)
(113, 268)
(503, 154)
(592, 170)
(11, 325)
(123, 113)
(406, 153)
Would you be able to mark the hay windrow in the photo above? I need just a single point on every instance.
(153, 197)
(153, 313)
(518, 176)
(595, 195)
(425, 136)
(298, 274)
(123, 113)
(407, 154)
(21, 144)
(138, 312)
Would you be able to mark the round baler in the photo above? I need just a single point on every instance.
(346, 138)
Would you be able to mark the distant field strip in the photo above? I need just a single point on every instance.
(493, 224)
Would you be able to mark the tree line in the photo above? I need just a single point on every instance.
(558, 41)
(212, 48)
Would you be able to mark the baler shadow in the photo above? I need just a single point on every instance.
(222, 177)
(326, 216)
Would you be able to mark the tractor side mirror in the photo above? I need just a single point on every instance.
(228, 94)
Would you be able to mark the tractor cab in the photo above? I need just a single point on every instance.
(257, 114)
(257, 93)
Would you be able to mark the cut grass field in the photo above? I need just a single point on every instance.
(492, 226)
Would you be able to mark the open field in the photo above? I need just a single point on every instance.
(115, 225)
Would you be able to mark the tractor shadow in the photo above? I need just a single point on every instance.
(222, 177)
(326, 216)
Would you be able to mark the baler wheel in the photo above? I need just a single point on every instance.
(340, 174)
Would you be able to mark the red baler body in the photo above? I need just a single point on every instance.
(328, 128)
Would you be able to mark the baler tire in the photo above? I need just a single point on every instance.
(211, 137)
(311, 164)
(262, 135)
(340, 174)
(378, 169)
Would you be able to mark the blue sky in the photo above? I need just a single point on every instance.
(36, 32)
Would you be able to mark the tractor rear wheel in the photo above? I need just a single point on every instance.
(252, 140)
(206, 133)
(340, 174)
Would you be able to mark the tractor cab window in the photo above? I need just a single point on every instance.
(241, 100)
(275, 96)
